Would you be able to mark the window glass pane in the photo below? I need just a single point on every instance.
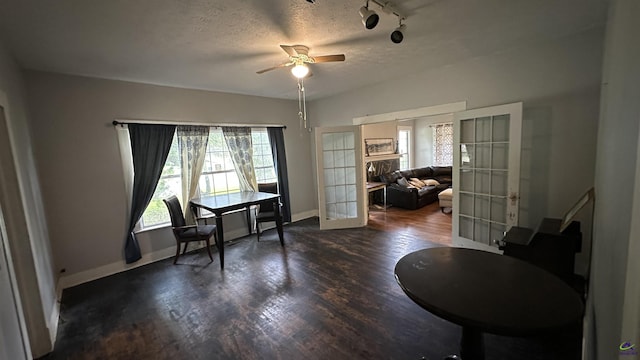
(218, 173)
(443, 144)
(404, 148)
(262, 156)
(169, 184)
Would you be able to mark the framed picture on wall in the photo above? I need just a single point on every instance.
(379, 146)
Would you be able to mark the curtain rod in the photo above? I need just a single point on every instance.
(168, 122)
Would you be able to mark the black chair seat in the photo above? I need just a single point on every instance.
(266, 216)
(189, 234)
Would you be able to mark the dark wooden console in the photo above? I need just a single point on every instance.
(547, 247)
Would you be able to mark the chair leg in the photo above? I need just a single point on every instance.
(185, 248)
(209, 249)
(175, 259)
(258, 230)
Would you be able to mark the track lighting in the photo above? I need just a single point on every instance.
(369, 17)
(397, 36)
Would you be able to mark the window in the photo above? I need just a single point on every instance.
(404, 146)
(218, 173)
(262, 157)
(443, 144)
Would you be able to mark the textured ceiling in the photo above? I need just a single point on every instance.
(219, 45)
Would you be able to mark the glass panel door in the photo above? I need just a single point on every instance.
(340, 177)
(486, 174)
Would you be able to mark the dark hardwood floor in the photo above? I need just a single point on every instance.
(325, 295)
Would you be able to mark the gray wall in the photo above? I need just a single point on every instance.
(24, 218)
(558, 82)
(616, 183)
(80, 167)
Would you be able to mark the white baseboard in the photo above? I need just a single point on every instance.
(78, 278)
(82, 277)
(304, 215)
(53, 319)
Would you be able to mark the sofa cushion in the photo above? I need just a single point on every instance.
(390, 178)
(445, 179)
(426, 190)
(441, 171)
(431, 182)
(407, 174)
(402, 181)
(417, 182)
(423, 173)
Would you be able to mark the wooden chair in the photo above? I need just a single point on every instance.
(265, 211)
(185, 234)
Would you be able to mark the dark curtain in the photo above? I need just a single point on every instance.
(276, 138)
(150, 146)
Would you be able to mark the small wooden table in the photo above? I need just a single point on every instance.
(226, 203)
(487, 292)
(375, 186)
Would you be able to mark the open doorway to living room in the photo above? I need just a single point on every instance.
(418, 180)
(427, 222)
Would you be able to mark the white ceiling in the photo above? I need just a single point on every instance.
(219, 45)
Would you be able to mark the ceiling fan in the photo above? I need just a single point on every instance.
(299, 58)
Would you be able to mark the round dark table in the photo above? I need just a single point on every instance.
(487, 292)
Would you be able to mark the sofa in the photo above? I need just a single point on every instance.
(403, 194)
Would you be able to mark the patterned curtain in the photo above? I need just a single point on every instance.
(192, 142)
(239, 142)
(443, 144)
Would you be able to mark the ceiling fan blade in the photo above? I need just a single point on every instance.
(295, 50)
(290, 50)
(275, 67)
(328, 58)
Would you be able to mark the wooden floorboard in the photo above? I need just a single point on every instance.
(325, 295)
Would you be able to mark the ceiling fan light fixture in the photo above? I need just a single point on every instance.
(300, 70)
(369, 17)
(397, 35)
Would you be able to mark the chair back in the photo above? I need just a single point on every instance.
(175, 211)
(271, 188)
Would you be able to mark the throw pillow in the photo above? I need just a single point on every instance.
(402, 181)
(431, 182)
(417, 182)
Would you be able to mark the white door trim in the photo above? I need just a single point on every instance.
(6, 253)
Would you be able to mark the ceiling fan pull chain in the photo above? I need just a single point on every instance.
(300, 113)
(304, 106)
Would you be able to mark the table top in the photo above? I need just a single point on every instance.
(494, 293)
(375, 185)
(232, 201)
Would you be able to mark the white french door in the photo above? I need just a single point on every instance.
(486, 174)
(14, 342)
(340, 177)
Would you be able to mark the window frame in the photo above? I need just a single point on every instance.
(211, 171)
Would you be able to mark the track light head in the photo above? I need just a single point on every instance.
(397, 36)
(369, 17)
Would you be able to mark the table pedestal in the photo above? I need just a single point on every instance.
(471, 344)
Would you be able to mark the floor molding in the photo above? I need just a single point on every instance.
(82, 277)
